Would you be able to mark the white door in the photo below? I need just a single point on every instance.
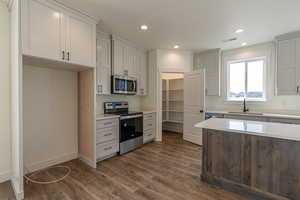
(42, 30)
(103, 65)
(81, 41)
(194, 105)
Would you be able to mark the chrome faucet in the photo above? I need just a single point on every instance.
(245, 109)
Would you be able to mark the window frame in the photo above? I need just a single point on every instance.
(246, 61)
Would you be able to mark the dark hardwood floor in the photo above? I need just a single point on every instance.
(164, 171)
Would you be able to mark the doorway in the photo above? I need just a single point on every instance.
(172, 105)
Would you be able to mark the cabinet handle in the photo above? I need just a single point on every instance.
(108, 148)
(107, 123)
(107, 134)
(298, 88)
(63, 55)
(68, 54)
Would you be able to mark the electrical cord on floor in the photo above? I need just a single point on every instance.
(28, 178)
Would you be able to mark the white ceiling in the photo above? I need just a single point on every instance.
(194, 24)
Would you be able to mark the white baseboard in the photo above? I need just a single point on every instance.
(50, 162)
(18, 193)
(5, 176)
(87, 161)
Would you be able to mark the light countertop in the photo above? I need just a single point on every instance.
(148, 111)
(270, 115)
(265, 129)
(106, 116)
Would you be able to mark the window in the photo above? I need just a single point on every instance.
(246, 79)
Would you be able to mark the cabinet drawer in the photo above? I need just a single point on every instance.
(107, 134)
(149, 116)
(149, 124)
(107, 149)
(148, 136)
(107, 123)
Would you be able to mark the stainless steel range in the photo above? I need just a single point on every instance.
(131, 125)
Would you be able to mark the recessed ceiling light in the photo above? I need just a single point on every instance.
(176, 47)
(239, 31)
(144, 27)
(244, 43)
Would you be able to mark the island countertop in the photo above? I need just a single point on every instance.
(265, 129)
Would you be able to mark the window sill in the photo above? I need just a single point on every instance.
(247, 100)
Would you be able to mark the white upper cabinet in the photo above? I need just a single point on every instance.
(53, 32)
(210, 61)
(143, 71)
(288, 65)
(130, 61)
(42, 30)
(81, 40)
(103, 64)
(118, 54)
(125, 58)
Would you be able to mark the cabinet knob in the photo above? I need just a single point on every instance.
(201, 111)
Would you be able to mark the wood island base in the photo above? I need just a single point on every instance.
(257, 167)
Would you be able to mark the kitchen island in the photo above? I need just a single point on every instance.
(259, 160)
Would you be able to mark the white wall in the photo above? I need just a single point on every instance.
(5, 147)
(174, 60)
(277, 104)
(50, 99)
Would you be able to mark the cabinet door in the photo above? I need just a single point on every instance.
(133, 63)
(42, 30)
(126, 59)
(298, 65)
(142, 85)
(81, 41)
(118, 57)
(103, 65)
(286, 68)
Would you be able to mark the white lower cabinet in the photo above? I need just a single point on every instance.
(107, 138)
(149, 124)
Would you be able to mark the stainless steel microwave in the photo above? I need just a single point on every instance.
(123, 85)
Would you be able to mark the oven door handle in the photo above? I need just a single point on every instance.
(130, 117)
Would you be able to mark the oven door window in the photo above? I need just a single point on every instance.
(131, 128)
(131, 85)
(120, 84)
